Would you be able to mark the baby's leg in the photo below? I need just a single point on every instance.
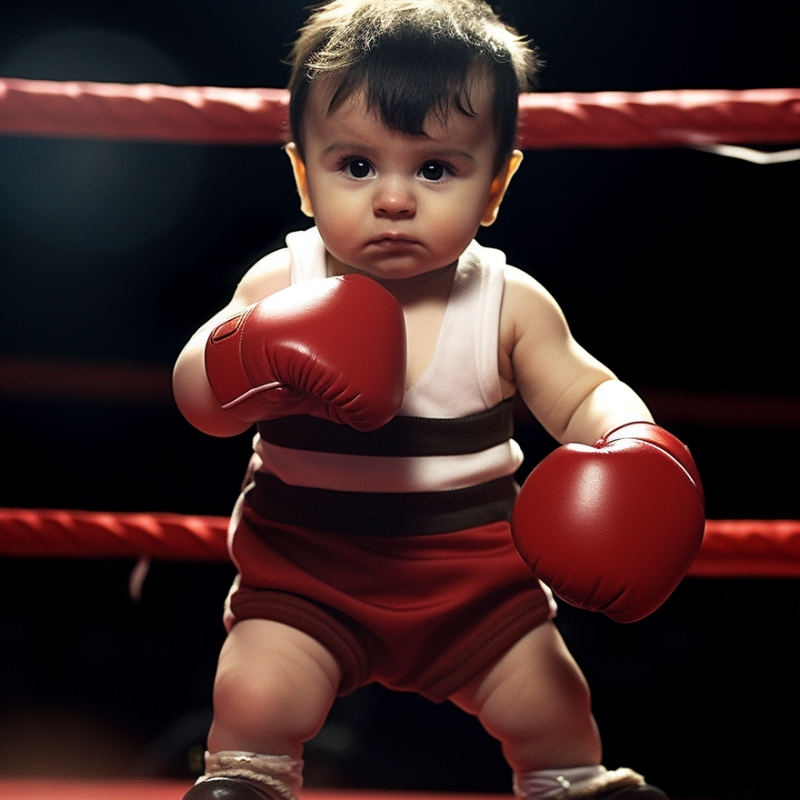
(274, 688)
(536, 702)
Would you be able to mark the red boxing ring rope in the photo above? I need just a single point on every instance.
(213, 115)
(731, 548)
(153, 112)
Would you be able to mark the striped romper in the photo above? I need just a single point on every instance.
(393, 547)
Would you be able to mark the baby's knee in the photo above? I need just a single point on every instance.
(562, 734)
(269, 709)
(566, 718)
(273, 685)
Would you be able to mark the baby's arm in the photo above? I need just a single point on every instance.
(332, 348)
(193, 394)
(573, 395)
(613, 520)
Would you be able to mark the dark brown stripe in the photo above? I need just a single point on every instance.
(380, 513)
(402, 436)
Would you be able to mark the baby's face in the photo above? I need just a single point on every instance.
(393, 205)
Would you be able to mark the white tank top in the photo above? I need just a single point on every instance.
(462, 380)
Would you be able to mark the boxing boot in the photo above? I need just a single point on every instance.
(227, 789)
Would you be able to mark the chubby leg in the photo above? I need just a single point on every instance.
(536, 702)
(274, 688)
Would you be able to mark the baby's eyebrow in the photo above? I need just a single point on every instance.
(359, 147)
(432, 152)
(451, 152)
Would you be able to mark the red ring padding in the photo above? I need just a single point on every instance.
(731, 548)
(155, 112)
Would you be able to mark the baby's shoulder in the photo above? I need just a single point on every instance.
(268, 275)
(529, 313)
(524, 293)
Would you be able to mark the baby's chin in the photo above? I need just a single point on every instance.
(389, 269)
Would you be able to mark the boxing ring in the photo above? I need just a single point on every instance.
(170, 790)
(727, 123)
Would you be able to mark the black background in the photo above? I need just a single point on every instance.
(675, 267)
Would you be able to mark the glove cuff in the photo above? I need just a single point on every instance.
(656, 435)
(225, 368)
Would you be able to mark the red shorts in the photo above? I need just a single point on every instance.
(414, 613)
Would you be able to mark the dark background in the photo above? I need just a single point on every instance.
(675, 267)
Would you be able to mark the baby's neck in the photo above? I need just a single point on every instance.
(435, 284)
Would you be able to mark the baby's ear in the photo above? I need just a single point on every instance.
(300, 178)
(499, 185)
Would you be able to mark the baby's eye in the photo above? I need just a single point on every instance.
(433, 171)
(358, 168)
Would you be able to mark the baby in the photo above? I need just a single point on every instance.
(379, 354)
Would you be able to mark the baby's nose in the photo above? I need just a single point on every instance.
(394, 199)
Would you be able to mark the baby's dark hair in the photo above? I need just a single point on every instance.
(413, 58)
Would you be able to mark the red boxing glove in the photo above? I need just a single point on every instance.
(614, 527)
(333, 348)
